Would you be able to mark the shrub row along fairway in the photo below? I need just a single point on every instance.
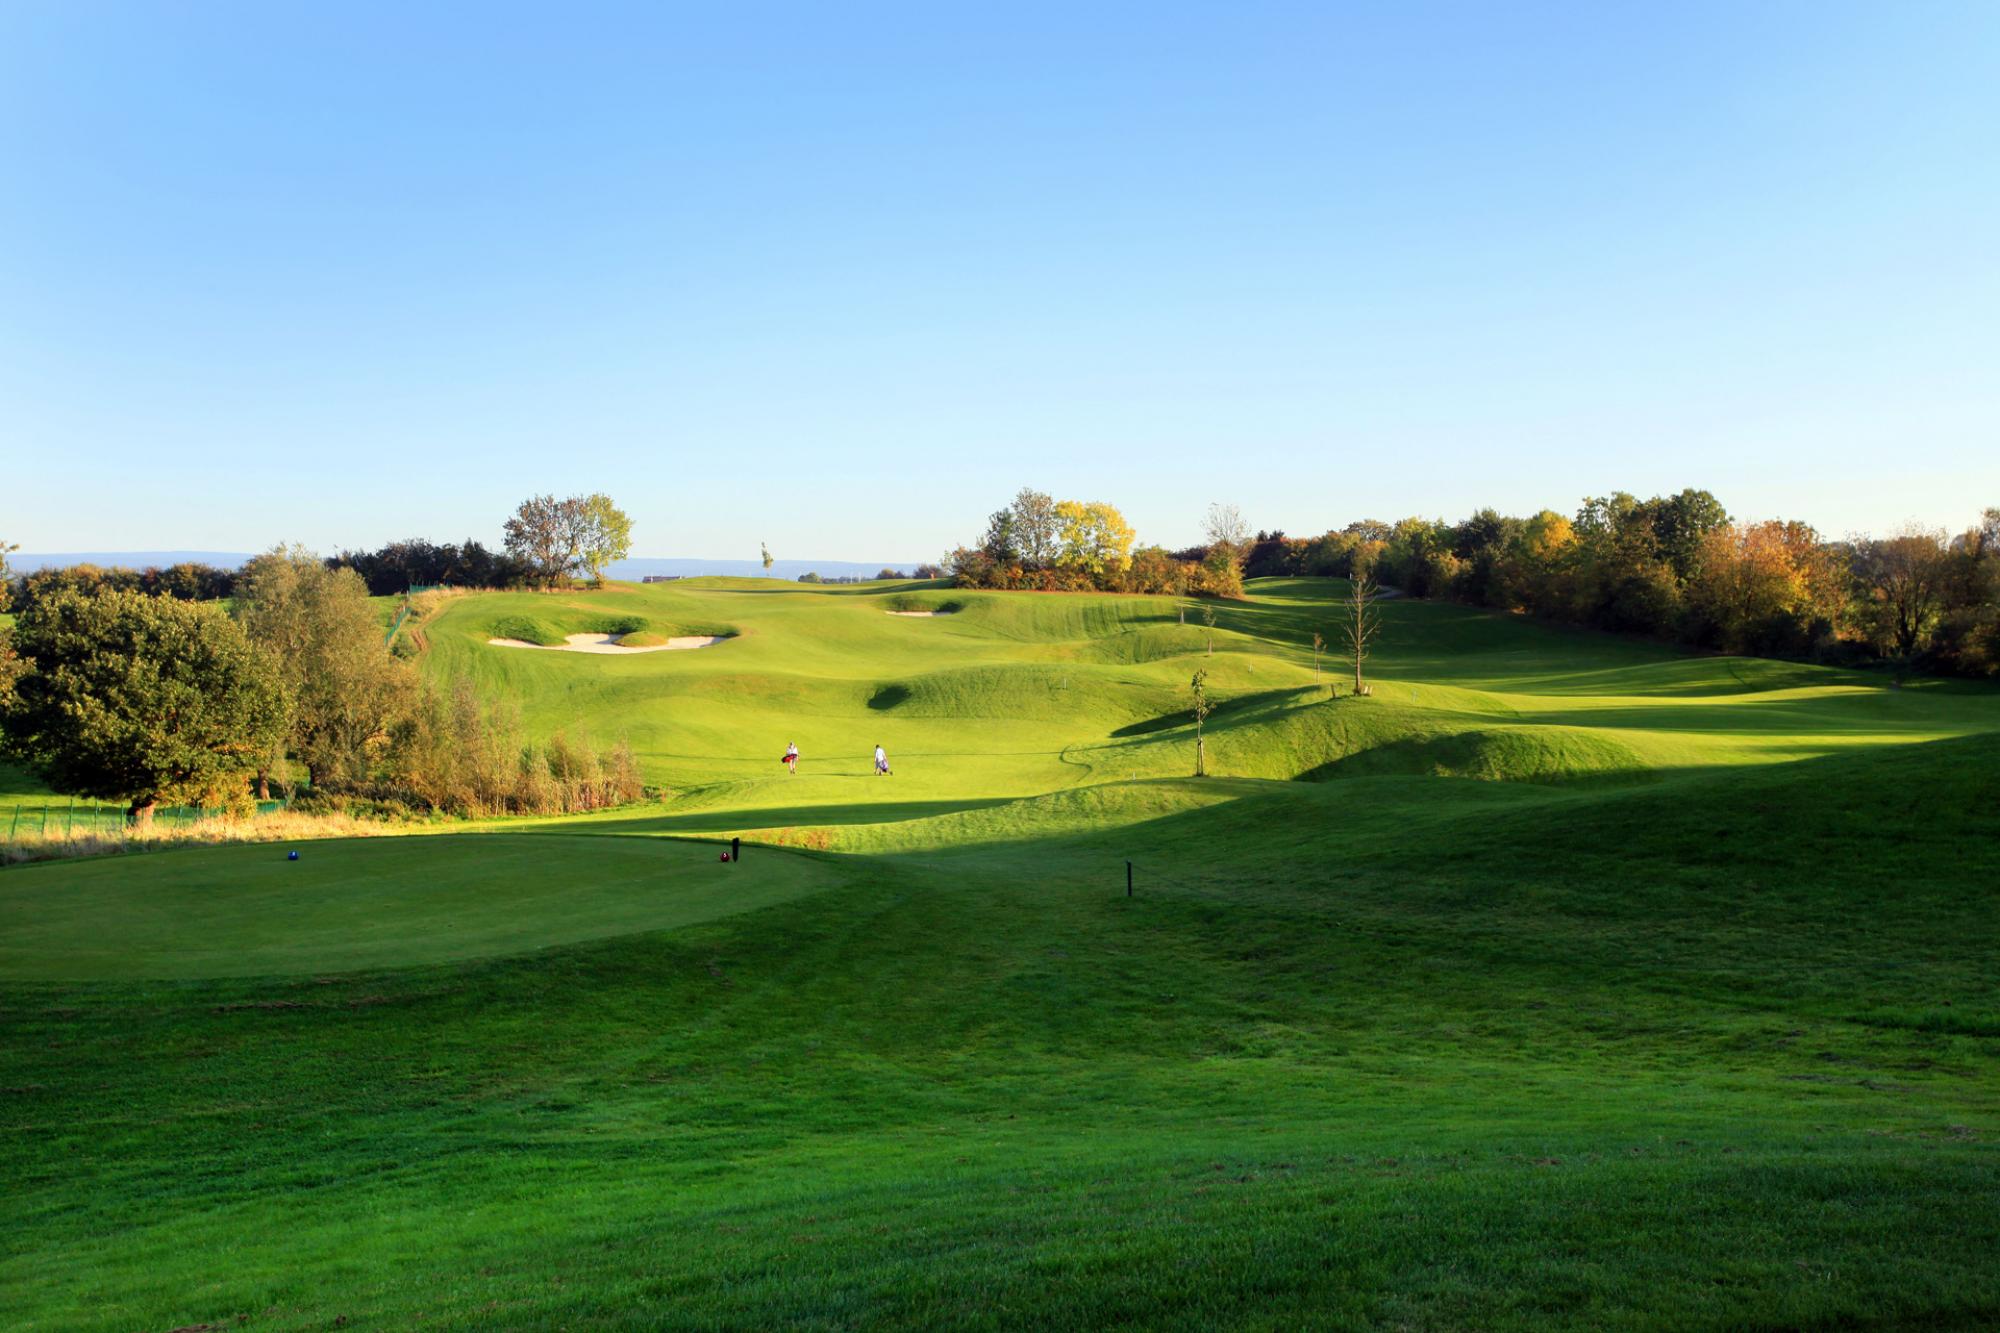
(1688, 1017)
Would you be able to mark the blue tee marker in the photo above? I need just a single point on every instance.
(291, 856)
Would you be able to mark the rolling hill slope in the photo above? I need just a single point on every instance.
(1566, 982)
(1016, 695)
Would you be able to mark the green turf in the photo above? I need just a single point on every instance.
(1566, 982)
(1018, 695)
(359, 903)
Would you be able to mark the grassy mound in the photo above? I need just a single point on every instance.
(528, 629)
(644, 638)
(937, 604)
(1515, 754)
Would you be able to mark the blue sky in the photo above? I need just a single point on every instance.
(843, 278)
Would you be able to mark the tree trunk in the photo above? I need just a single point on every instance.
(1200, 757)
(140, 813)
(263, 785)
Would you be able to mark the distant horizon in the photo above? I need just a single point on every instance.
(24, 562)
(21, 561)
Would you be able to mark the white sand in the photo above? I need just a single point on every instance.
(923, 614)
(608, 643)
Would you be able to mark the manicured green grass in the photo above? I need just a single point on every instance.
(1018, 694)
(1577, 984)
(355, 903)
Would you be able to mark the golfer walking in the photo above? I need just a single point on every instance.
(792, 757)
(881, 762)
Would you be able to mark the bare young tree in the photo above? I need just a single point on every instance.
(1364, 623)
(1208, 619)
(1319, 647)
(1202, 708)
(1224, 526)
(764, 550)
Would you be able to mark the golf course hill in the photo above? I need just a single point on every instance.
(1013, 696)
(1563, 980)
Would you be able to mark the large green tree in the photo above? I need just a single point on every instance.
(604, 535)
(1906, 580)
(139, 699)
(320, 629)
(565, 538)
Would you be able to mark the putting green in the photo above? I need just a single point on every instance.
(364, 903)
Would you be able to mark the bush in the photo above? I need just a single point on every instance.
(320, 802)
(459, 755)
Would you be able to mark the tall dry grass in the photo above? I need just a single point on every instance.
(280, 826)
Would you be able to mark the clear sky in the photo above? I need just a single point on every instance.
(843, 277)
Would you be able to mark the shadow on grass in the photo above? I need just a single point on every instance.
(1226, 709)
(774, 816)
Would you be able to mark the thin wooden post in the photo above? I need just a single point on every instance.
(1128, 879)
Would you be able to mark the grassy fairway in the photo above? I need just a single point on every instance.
(1019, 695)
(1688, 1016)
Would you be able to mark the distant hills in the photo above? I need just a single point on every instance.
(27, 563)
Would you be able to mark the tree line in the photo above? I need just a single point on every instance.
(549, 543)
(1042, 544)
(1680, 568)
(189, 581)
(115, 693)
(1675, 567)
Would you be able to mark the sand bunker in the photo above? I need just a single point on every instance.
(923, 614)
(608, 643)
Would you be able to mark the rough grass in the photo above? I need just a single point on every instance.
(61, 843)
(1593, 986)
